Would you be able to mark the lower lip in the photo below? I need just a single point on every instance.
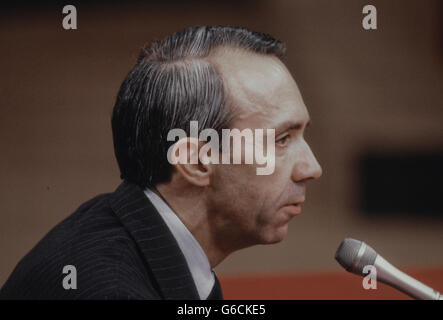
(293, 209)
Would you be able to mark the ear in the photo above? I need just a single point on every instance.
(184, 156)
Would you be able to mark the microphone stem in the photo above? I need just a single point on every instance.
(390, 275)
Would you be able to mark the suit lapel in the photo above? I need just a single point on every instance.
(159, 247)
(216, 292)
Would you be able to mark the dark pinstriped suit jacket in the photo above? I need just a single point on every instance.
(121, 249)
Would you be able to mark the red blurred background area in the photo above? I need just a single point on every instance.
(323, 286)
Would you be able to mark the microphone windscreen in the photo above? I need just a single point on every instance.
(354, 255)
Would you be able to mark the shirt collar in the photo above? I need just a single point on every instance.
(196, 258)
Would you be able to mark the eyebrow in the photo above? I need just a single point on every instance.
(291, 125)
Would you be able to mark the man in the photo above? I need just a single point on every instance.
(164, 229)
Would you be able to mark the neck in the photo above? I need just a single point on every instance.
(191, 210)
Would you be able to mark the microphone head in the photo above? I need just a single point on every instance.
(354, 255)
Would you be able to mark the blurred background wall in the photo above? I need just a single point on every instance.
(376, 90)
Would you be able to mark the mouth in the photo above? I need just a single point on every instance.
(293, 208)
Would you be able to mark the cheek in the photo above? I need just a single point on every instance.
(248, 205)
(252, 198)
(240, 194)
(285, 160)
(273, 186)
(234, 187)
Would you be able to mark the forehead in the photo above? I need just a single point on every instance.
(263, 91)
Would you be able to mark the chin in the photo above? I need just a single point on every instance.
(277, 235)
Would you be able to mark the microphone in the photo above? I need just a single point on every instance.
(354, 255)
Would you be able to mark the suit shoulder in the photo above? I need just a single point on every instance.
(93, 243)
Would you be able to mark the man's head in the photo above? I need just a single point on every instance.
(222, 77)
(173, 82)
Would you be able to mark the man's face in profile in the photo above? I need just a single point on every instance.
(250, 208)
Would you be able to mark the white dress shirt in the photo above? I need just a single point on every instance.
(196, 258)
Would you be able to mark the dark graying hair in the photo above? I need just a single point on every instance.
(173, 83)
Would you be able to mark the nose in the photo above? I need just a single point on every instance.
(306, 166)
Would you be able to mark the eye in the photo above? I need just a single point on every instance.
(283, 141)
